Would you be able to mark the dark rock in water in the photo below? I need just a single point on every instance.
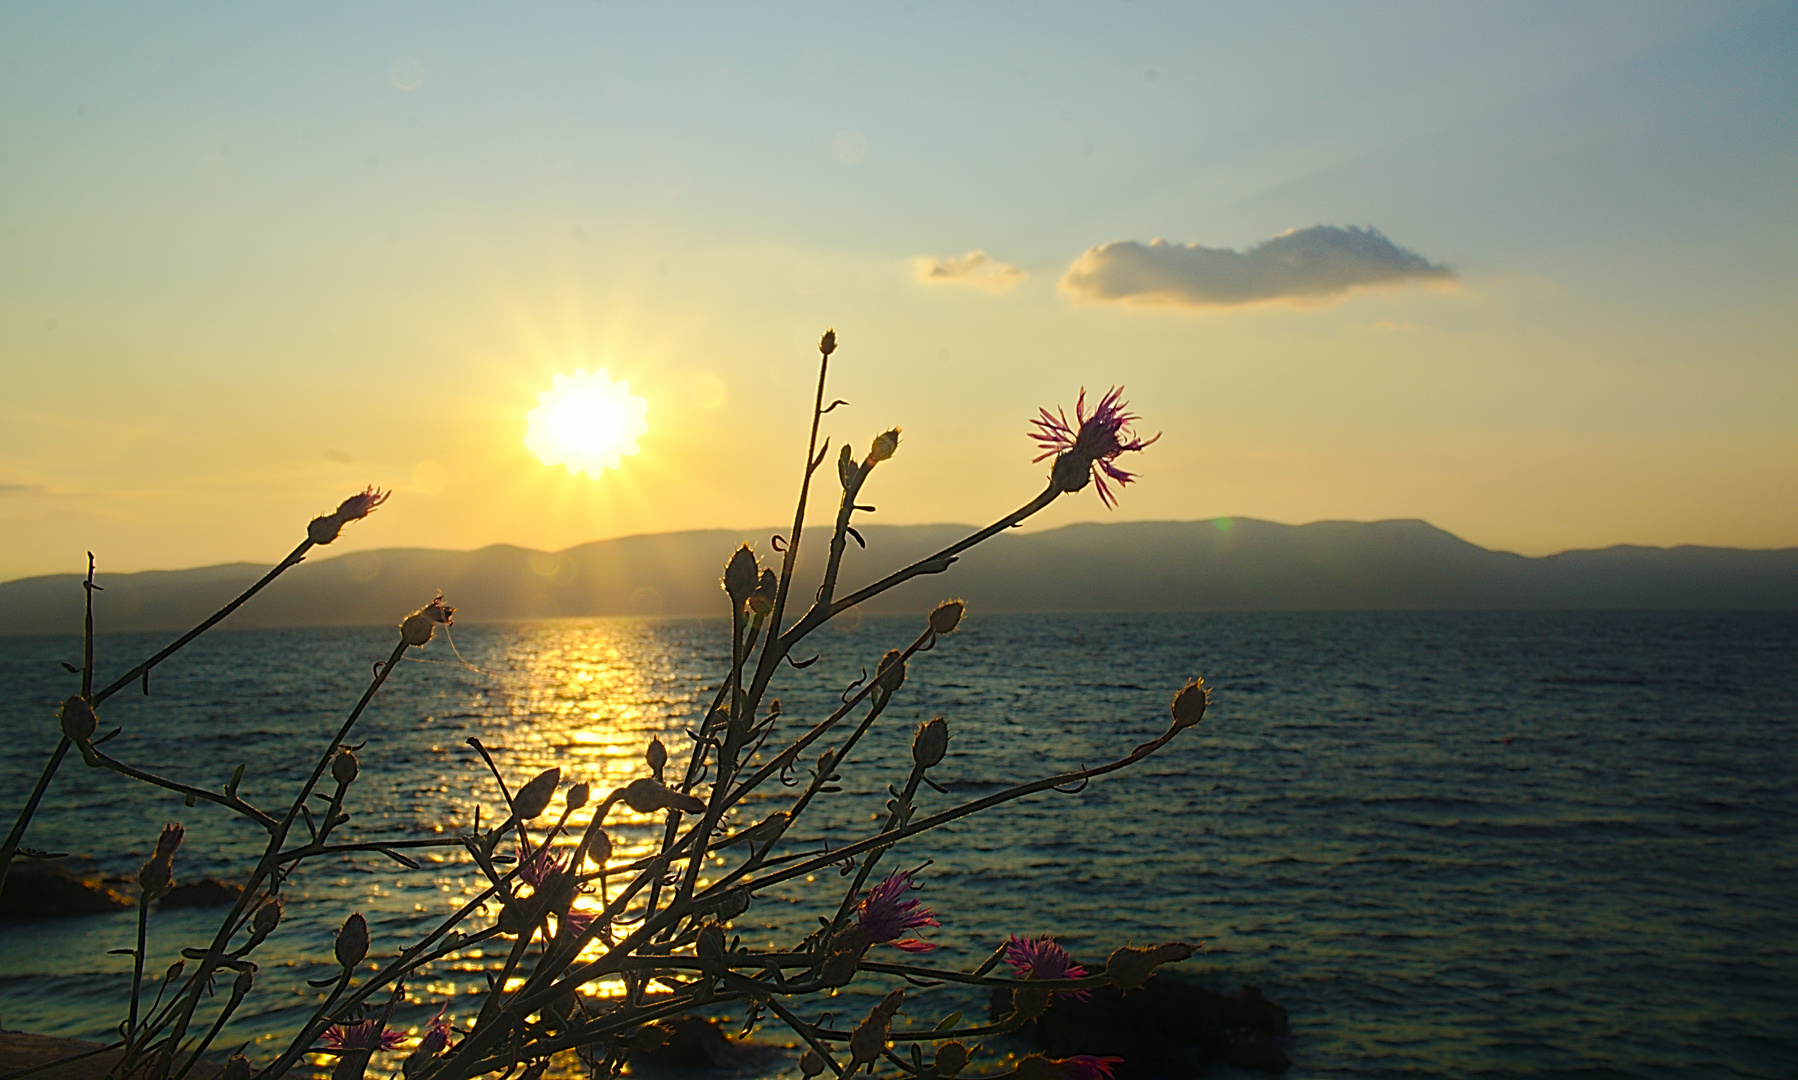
(207, 892)
(37, 890)
(693, 1042)
(1169, 1027)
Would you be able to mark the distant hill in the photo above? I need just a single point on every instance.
(1226, 564)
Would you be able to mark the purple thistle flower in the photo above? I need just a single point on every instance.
(1085, 1067)
(1090, 444)
(885, 912)
(539, 870)
(1041, 958)
(339, 1038)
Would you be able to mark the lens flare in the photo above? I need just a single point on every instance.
(585, 422)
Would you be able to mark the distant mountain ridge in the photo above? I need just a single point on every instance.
(1220, 564)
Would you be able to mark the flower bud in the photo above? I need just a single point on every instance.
(951, 1058)
(656, 755)
(157, 875)
(267, 917)
(828, 343)
(1128, 968)
(810, 1064)
(761, 600)
(417, 628)
(646, 796)
(237, 1067)
(344, 766)
(324, 529)
(826, 762)
(886, 444)
(710, 942)
(890, 675)
(601, 848)
(1028, 1002)
(736, 902)
(1189, 704)
(245, 979)
(740, 575)
(846, 467)
(1035, 1067)
(352, 941)
(839, 967)
(947, 616)
(931, 742)
(78, 719)
(577, 796)
(533, 798)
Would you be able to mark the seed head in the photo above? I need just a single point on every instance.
(947, 616)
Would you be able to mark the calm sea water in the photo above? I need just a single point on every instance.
(1467, 844)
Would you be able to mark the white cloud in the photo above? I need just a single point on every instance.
(976, 268)
(1304, 264)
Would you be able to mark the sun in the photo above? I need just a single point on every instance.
(585, 422)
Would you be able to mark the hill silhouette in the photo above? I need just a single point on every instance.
(1222, 564)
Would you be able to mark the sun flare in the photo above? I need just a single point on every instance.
(586, 422)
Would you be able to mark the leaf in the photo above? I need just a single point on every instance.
(331, 982)
(865, 509)
(856, 535)
(111, 734)
(846, 466)
(947, 1023)
(236, 778)
(70, 668)
(777, 542)
(121, 952)
(833, 405)
(803, 663)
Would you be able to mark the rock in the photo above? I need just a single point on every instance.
(45, 890)
(1170, 1027)
(207, 892)
(693, 1042)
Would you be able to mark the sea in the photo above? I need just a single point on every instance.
(1459, 844)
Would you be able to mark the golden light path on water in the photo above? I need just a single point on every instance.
(586, 697)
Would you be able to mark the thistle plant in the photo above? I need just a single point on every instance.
(567, 911)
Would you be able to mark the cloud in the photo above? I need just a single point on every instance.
(23, 489)
(976, 268)
(1304, 264)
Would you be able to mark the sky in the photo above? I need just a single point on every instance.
(1525, 271)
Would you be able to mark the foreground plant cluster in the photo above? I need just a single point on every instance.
(661, 927)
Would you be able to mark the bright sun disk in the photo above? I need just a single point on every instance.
(585, 422)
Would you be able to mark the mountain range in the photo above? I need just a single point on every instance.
(1220, 564)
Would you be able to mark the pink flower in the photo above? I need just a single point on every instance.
(885, 912)
(436, 1036)
(1088, 446)
(539, 870)
(367, 1035)
(323, 530)
(1085, 1067)
(1041, 958)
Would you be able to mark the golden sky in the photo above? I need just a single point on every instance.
(1523, 271)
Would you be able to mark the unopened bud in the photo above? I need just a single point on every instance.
(886, 444)
(245, 979)
(710, 942)
(761, 600)
(416, 630)
(1035, 1067)
(826, 762)
(931, 742)
(810, 1064)
(839, 967)
(352, 941)
(344, 766)
(736, 902)
(890, 675)
(951, 1058)
(828, 343)
(656, 755)
(1028, 1002)
(267, 917)
(1189, 704)
(78, 720)
(947, 616)
(533, 798)
(157, 875)
(646, 796)
(740, 574)
(846, 467)
(577, 796)
(237, 1067)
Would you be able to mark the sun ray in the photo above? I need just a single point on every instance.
(586, 422)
